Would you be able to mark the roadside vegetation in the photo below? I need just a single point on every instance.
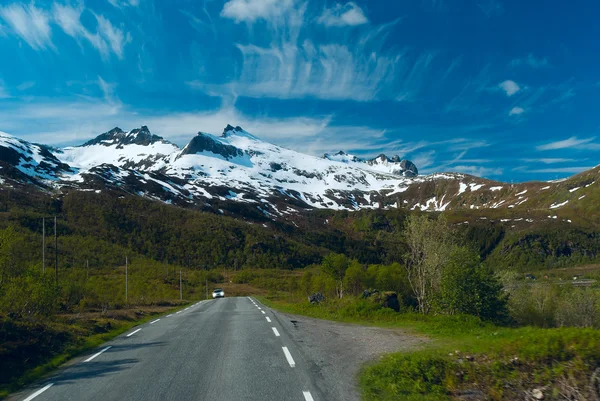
(510, 301)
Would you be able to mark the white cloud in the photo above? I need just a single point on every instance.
(510, 87)
(479, 171)
(124, 3)
(30, 23)
(106, 39)
(550, 160)
(252, 10)
(339, 15)
(3, 92)
(360, 72)
(572, 142)
(516, 111)
(26, 85)
(424, 160)
(569, 170)
(530, 61)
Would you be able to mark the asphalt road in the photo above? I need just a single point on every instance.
(220, 350)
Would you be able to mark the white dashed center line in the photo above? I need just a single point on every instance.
(308, 396)
(40, 391)
(264, 313)
(95, 355)
(154, 321)
(130, 334)
(268, 320)
(275, 331)
(288, 356)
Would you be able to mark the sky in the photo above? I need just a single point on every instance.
(503, 89)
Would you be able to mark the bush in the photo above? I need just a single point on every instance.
(30, 294)
(468, 287)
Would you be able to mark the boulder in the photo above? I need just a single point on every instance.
(387, 299)
(316, 298)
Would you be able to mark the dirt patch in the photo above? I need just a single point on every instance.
(337, 351)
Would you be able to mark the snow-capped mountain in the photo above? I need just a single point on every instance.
(381, 163)
(239, 168)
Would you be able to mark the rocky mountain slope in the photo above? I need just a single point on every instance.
(239, 168)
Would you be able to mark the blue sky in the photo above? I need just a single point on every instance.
(504, 89)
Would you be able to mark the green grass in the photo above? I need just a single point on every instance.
(80, 342)
(501, 362)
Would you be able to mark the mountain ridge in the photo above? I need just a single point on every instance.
(238, 167)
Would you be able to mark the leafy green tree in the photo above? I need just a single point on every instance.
(430, 243)
(335, 265)
(355, 278)
(469, 287)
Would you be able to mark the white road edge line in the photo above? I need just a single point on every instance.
(154, 321)
(130, 334)
(275, 331)
(288, 356)
(268, 320)
(308, 396)
(169, 315)
(40, 391)
(177, 312)
(96, 354)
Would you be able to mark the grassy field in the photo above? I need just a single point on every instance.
(468, 359)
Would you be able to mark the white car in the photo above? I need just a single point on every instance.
(218, 293)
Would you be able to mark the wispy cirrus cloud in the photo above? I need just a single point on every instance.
(551, 160)
(124, 3)
(531, 61)
(509, 87)
(105, 40)
(30, 23)
(3, 91)
(569, 143)
(561, 170)
(295, 65)
(349, 14)
(26, 85)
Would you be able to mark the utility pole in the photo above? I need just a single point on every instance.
(43, 245)
(55, 252)
(180, 287)
(126, 283)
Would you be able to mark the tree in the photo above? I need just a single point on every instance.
(469, 287)
(354, 278)
(335, 265)
(430, 245)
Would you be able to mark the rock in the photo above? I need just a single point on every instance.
(316, 298)
(368, 293)
(206, 143)
(537, 394)
(386, 299)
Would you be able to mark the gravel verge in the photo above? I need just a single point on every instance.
(337, 351)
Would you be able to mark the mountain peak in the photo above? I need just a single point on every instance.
(238, 131)
(118, 137)
(203, 143)
(397, 165)
(229, 130)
